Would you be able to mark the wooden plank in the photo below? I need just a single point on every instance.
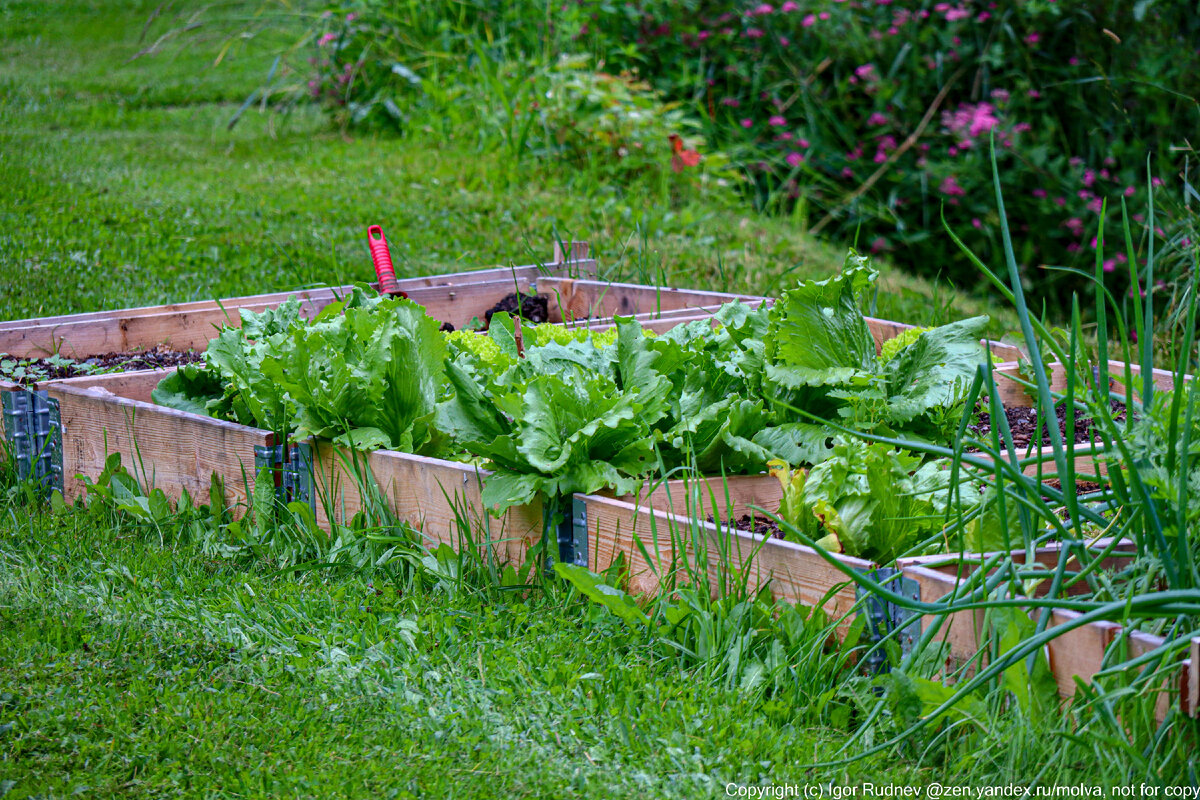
(1078, 653)
(722, 498)
(1193, 681)
(194, 329)
(578, 267)
(797, 574)
(135, 385)
(584, 299)
(430, 494)
(962, 630)
(1013, 394)
(161, 447)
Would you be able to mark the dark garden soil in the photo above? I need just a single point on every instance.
(763, 526)
(532, 308)
(1023, 422)
(26, 372)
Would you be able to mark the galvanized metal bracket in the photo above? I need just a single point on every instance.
(573, 535)
(294, 470)
(884, 617)
(33, 430)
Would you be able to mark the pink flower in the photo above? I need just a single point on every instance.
(784, 137)
(765, 8)
(784, 41)
(1073, 61)
(1129, 191)
(950, 187)
(1156, 181)
(754, 33)
(326, 39)
(976, 223)
(1000, 95)
(823, 15)
(1089, 177)
(969, 121)
(1034, 93)
(777, 121)
(747, 122)
(880, 156)
(953, 151)
(1110, 265)
(879, 243)
(795, 159)
(877, 119)
(702, 35)
(314, 88)
(1039, 193)
(1075, 161)
(790, 5)
(732, 102)
(1096, 205)
(351, 17)
(809, 20)
(866, 72)
(955, 14)
(854, 155)
(1074, 225)
(1033, 38)
(803, 143)
(847, 172)
(887, 143)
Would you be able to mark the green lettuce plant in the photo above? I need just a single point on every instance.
(366, 373)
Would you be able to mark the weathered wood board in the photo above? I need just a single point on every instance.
(455, 298)
(433, 495)
(1075, 654)
(657, 548)
(161, 447)
(582, 267)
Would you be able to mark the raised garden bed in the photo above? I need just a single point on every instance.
(663, 525)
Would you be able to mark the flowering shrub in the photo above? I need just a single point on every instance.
(877, 114)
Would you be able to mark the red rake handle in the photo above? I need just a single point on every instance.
(383, 261)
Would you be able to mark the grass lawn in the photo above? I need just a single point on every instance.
(136, 662)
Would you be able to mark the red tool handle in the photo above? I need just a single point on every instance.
(383, 262)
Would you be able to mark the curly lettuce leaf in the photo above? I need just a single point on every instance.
(934, 369)
(817, 336)
(189, 388)
(369, 378)
(868, 501)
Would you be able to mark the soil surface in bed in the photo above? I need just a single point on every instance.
(1023, 422)
(27, 371)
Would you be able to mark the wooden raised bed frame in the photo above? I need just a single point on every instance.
(178, 451)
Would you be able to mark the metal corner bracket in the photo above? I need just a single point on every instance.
(293, 466)
(33, 430)
(885, 617)
(572, 534)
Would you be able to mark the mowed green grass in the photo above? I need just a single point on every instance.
(134, 667)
